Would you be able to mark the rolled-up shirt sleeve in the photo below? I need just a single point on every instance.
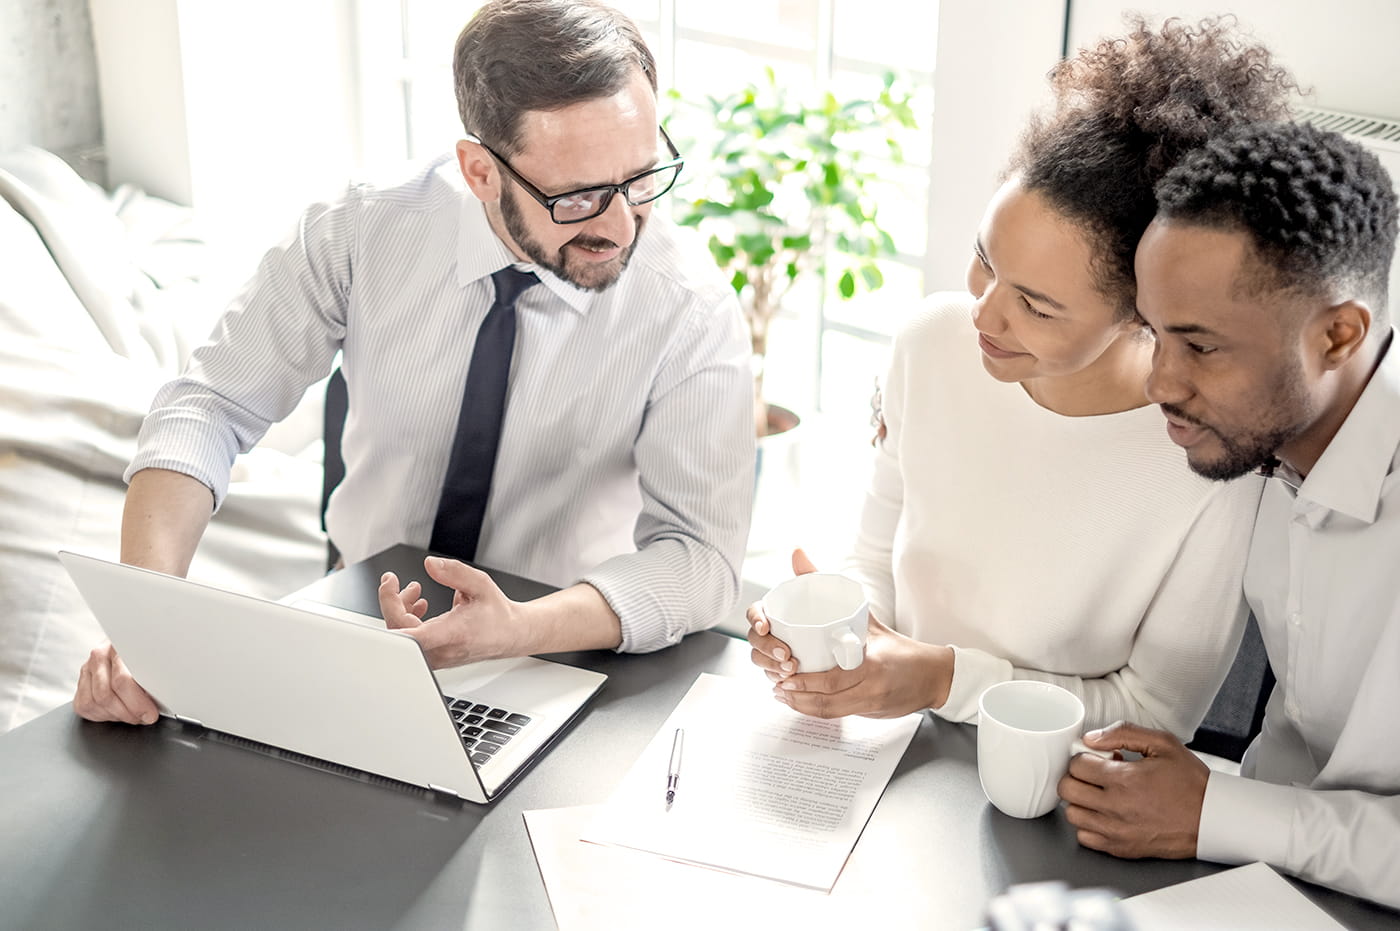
(278, 336)
(695, 459)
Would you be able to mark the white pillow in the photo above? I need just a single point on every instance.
(90, 246)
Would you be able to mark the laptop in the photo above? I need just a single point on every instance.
(327, 685)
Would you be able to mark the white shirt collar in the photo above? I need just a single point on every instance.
(1350, 475)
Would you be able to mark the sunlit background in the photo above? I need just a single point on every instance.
(248, 111)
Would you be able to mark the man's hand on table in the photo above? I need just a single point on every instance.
(1136, 808)
(107, 692)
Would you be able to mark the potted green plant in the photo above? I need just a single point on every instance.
(783, 192)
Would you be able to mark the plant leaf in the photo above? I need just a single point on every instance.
(847, 284)
(872, 277)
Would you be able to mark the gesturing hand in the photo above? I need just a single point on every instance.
(480, 625)
(1136, 808)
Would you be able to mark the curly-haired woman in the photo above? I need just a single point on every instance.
(1039, 523)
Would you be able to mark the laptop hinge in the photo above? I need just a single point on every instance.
(189, 721)
(444, 791)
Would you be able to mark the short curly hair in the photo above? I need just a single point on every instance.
(1319, 208)
(1125, 110)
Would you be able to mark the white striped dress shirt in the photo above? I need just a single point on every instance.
(627, 450)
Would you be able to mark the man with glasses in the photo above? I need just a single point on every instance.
(541, 376)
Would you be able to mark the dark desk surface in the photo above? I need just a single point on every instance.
(163, 827)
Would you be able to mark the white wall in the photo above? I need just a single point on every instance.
(140, 71)
(48, 81)
(243, 110)
(1346, 50)
(988, 76)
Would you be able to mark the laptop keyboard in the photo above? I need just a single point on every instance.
(484, 730)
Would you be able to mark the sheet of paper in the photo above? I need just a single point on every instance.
(1252, 896)
(593, 887)
(763, 790)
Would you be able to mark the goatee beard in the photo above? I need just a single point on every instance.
(605, 274)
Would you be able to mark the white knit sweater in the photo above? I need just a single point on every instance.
(1076, 550)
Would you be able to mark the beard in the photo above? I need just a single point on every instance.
(590, 276)
(1245, 451)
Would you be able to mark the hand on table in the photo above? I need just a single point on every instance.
(899, 674)
(1136, 808)
(480, 625)
(107, 692)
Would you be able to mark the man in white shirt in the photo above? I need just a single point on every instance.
(1264, 276)
(623, 440)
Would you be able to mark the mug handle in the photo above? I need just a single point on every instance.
(1079, 747)
(1041, 769)
(848, 649)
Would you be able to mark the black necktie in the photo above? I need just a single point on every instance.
(468, 480)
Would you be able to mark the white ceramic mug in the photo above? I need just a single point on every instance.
(1026, 733)
(822, 617)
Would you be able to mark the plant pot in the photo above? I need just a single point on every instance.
(777, 474)
(778, 421)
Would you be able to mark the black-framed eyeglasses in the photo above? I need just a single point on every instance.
(590, 202)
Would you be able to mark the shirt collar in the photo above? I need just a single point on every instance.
(480, 254)
(1350, 475)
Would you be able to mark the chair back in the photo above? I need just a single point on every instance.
(1237, 713)
(332, 426)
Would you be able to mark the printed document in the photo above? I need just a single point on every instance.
(761, 789)
(1252, 896)
(593, 887)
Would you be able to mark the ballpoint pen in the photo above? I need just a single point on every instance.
(673, 772)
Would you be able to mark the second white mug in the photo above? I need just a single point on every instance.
(1026, 733)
